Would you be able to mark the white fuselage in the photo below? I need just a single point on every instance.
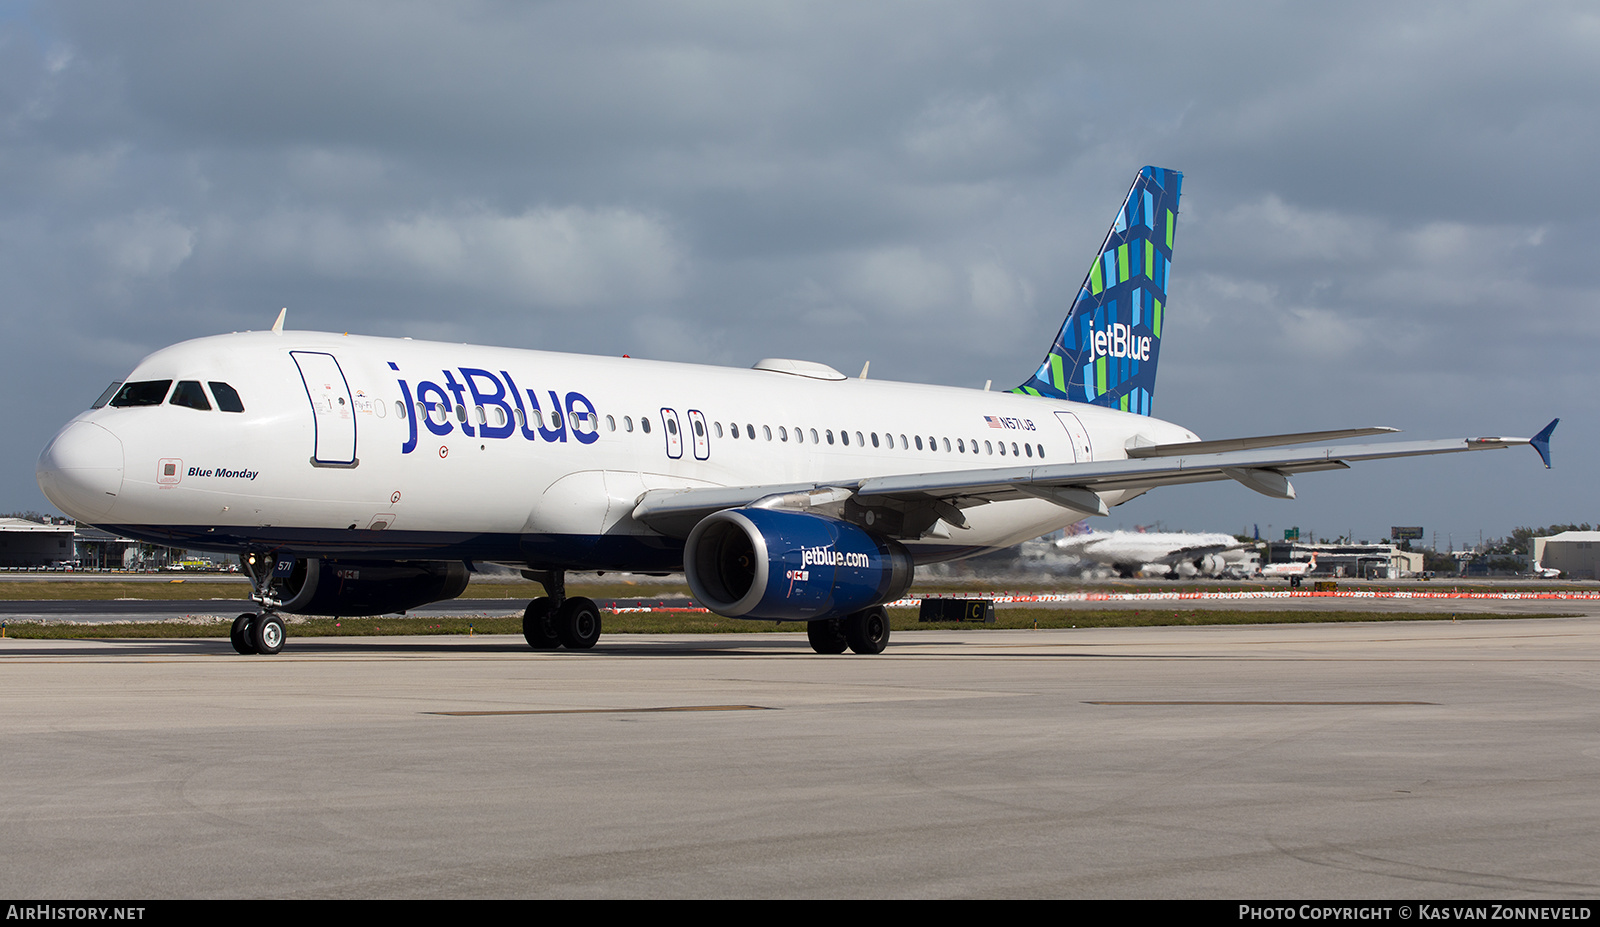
(486, 476)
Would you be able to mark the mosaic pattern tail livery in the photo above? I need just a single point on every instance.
(1107, 349)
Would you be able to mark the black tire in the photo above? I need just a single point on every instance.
(826, 636)
(578, 623)
(242, 635)
(539, 626)
(267, 633)
(867, 631)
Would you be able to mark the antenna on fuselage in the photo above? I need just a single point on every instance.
(864, 370)
(277, 327)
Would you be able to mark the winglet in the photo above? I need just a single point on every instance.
(1541, 441)
(277, 327)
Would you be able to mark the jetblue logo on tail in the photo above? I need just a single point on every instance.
(1107, 349)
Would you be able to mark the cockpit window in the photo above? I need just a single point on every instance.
(105, 397)
(142, 393)
(190, 394)
(227, 397)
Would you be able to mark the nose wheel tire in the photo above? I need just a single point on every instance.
(826, 636)
(867, 631)
(241, 634)
(539, 626)
(577, 623)
(267, 634)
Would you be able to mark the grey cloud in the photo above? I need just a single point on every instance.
(1387, 213)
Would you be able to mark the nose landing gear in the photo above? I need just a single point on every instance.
(262, 633)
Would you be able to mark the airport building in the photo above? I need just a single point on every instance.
(1356, 561)
(58, 543)
(25, 543)
(1574, 553)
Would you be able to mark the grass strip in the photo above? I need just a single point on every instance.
(900, 620)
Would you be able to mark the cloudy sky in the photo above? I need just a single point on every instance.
(1388, 215)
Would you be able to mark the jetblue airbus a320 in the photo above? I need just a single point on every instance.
(361, 476)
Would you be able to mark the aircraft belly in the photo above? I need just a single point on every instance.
(993, 527)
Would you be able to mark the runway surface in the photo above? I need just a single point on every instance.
(1576, 602)
(1418, 760)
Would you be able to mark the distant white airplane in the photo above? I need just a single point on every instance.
(1541, 571)
(1166, 553)
(1293, 572)
(361, 475)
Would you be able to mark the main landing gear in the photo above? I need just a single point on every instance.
(259, 633)
(866, 631)
(557, 621)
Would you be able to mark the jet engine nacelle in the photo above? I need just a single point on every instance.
(1211, 564)
(351, 588)
(789, 566)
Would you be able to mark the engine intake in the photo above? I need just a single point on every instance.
(789, 566)
(353, 588)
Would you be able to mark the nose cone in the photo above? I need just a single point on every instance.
(81, 470)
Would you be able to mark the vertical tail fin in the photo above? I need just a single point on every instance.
(1107, 349)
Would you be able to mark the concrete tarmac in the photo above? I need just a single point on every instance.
(1416, 760)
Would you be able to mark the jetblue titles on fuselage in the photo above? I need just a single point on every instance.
(504, 412)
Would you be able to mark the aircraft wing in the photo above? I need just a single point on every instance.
(1189, 553)
(942, 495)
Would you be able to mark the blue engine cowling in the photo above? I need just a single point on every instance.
(789, 566)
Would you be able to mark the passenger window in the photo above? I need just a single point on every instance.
(903, 445)
(814, 439)
(142, 393)
(919, 442)
(611, 423)
(783, 434)
(672, 426)
(1002, 449)
(733, 429)
(1028, 448)
(830, 435)
(627, 423)
(988, 448)
(190, 395)
(105, 397)
(699, 428)
(766, 431)
(750, 431)
(961, 447)
(644, 423)
(1013, 449)
(844, 436)
(875, 440)
(482, 418)
(1041, 452)
(947, 445)
(461, 414)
